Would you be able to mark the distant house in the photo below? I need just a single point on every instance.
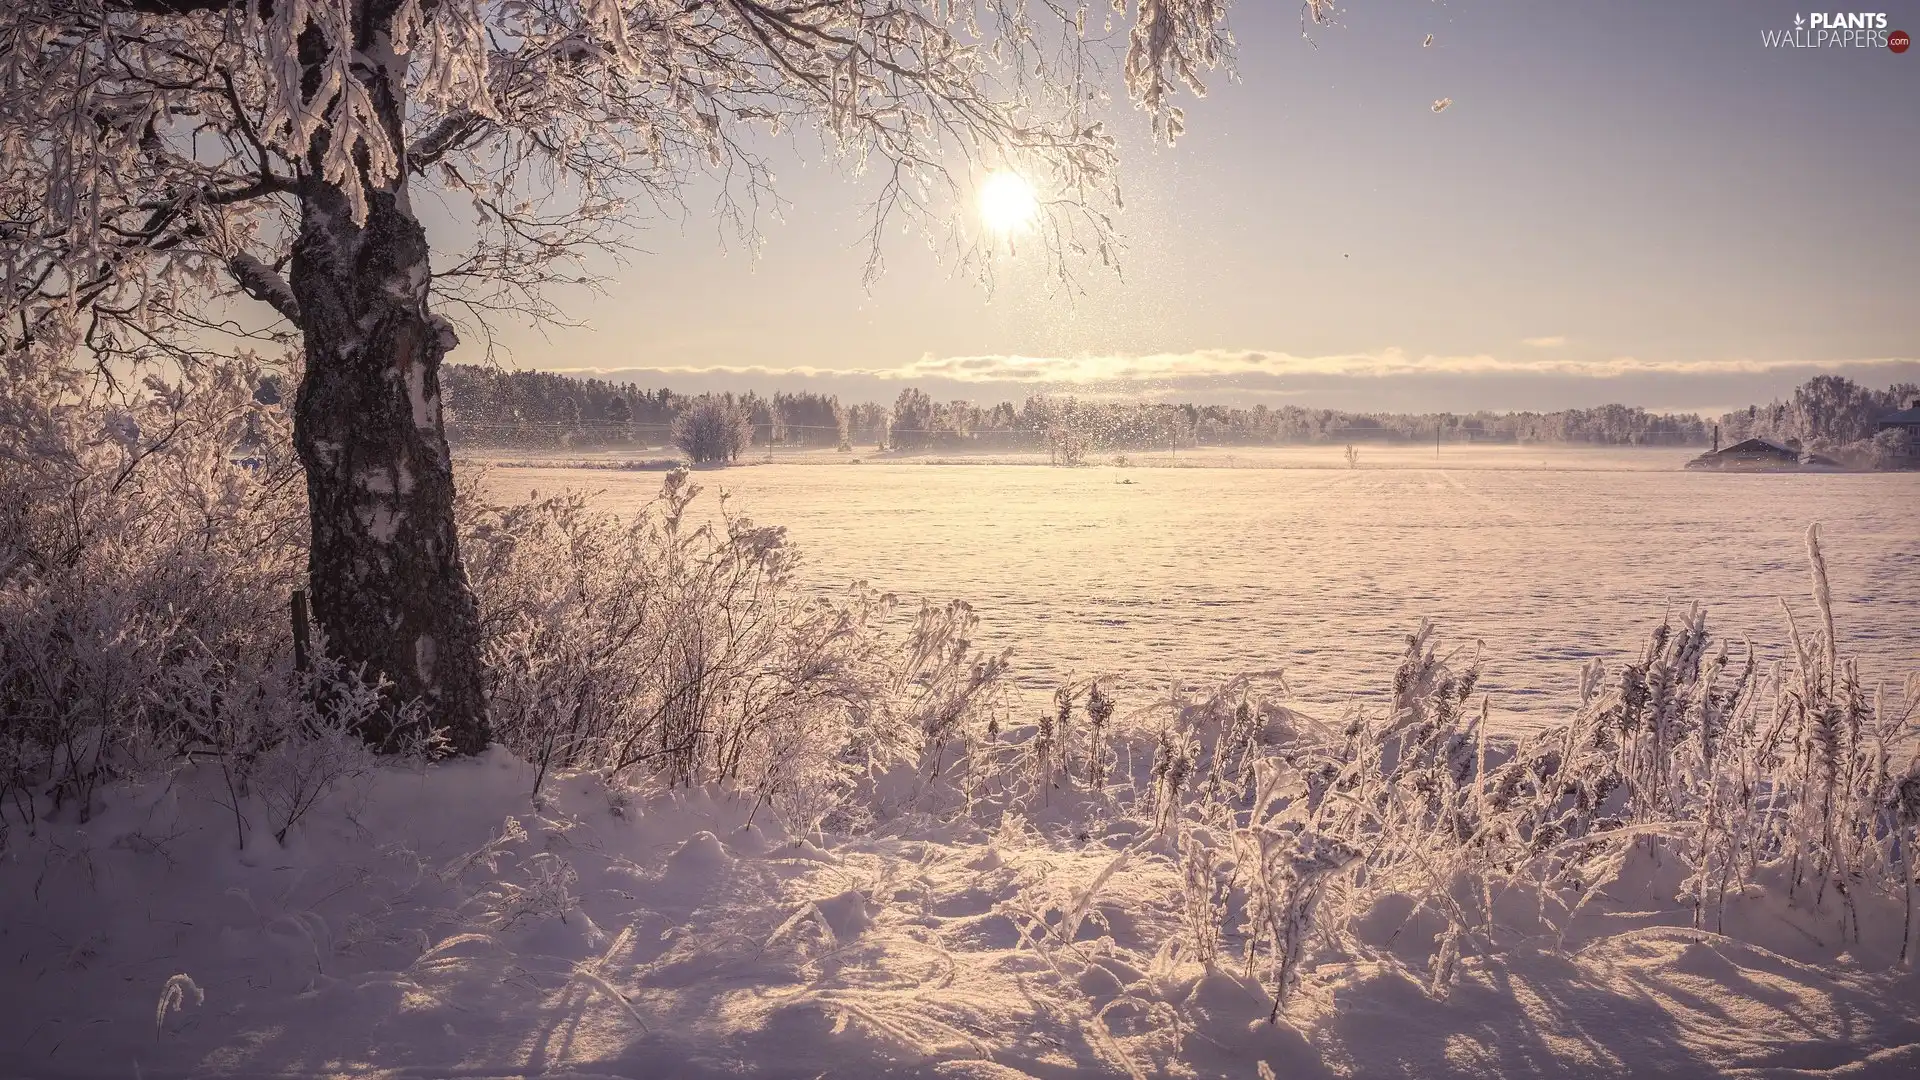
(1907, 420)
(1753, 454)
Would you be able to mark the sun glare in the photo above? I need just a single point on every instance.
(1007, 202)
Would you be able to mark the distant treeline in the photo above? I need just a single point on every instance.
(486, 406)
(537, 409)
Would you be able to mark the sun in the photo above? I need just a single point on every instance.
(1007, 202)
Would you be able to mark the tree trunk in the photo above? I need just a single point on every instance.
(384, 567)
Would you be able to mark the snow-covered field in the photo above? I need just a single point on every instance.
(1253, 559)
(1691, 879)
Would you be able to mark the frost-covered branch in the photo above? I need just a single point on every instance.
(264, 283)
(148, 144)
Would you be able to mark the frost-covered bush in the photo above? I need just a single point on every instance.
(711, 429)
(148, 542)
(1890, 449)
(281, 737)
(1737, 779)
(683, 650)
(1411, 833)
(149, 545)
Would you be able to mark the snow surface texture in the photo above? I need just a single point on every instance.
(428, 923)
(1643, 889)
(1550, 556)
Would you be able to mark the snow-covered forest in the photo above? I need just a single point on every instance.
(530, 409)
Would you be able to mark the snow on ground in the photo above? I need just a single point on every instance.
(440, 921)
(437, 923)
(1148, 575)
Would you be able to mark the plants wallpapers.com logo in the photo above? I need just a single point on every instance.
(1838, 30)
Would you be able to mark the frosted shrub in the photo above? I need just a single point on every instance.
(322, 746)
(684, 651)
(938, 685)
(148, 542)
(1747, 777)
(1286, 870)
(1889, 449)
(1904, 805)
(1063, 704)
(547, 891)
(1740, 780)
(1204, 901)
(712, 429)
(1099, 714)
(1041, 752)
(282, 739)
(1690, 768)
(148, 546)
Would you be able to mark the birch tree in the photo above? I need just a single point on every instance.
(157, 155)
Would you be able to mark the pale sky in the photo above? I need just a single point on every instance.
(1632, 202)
